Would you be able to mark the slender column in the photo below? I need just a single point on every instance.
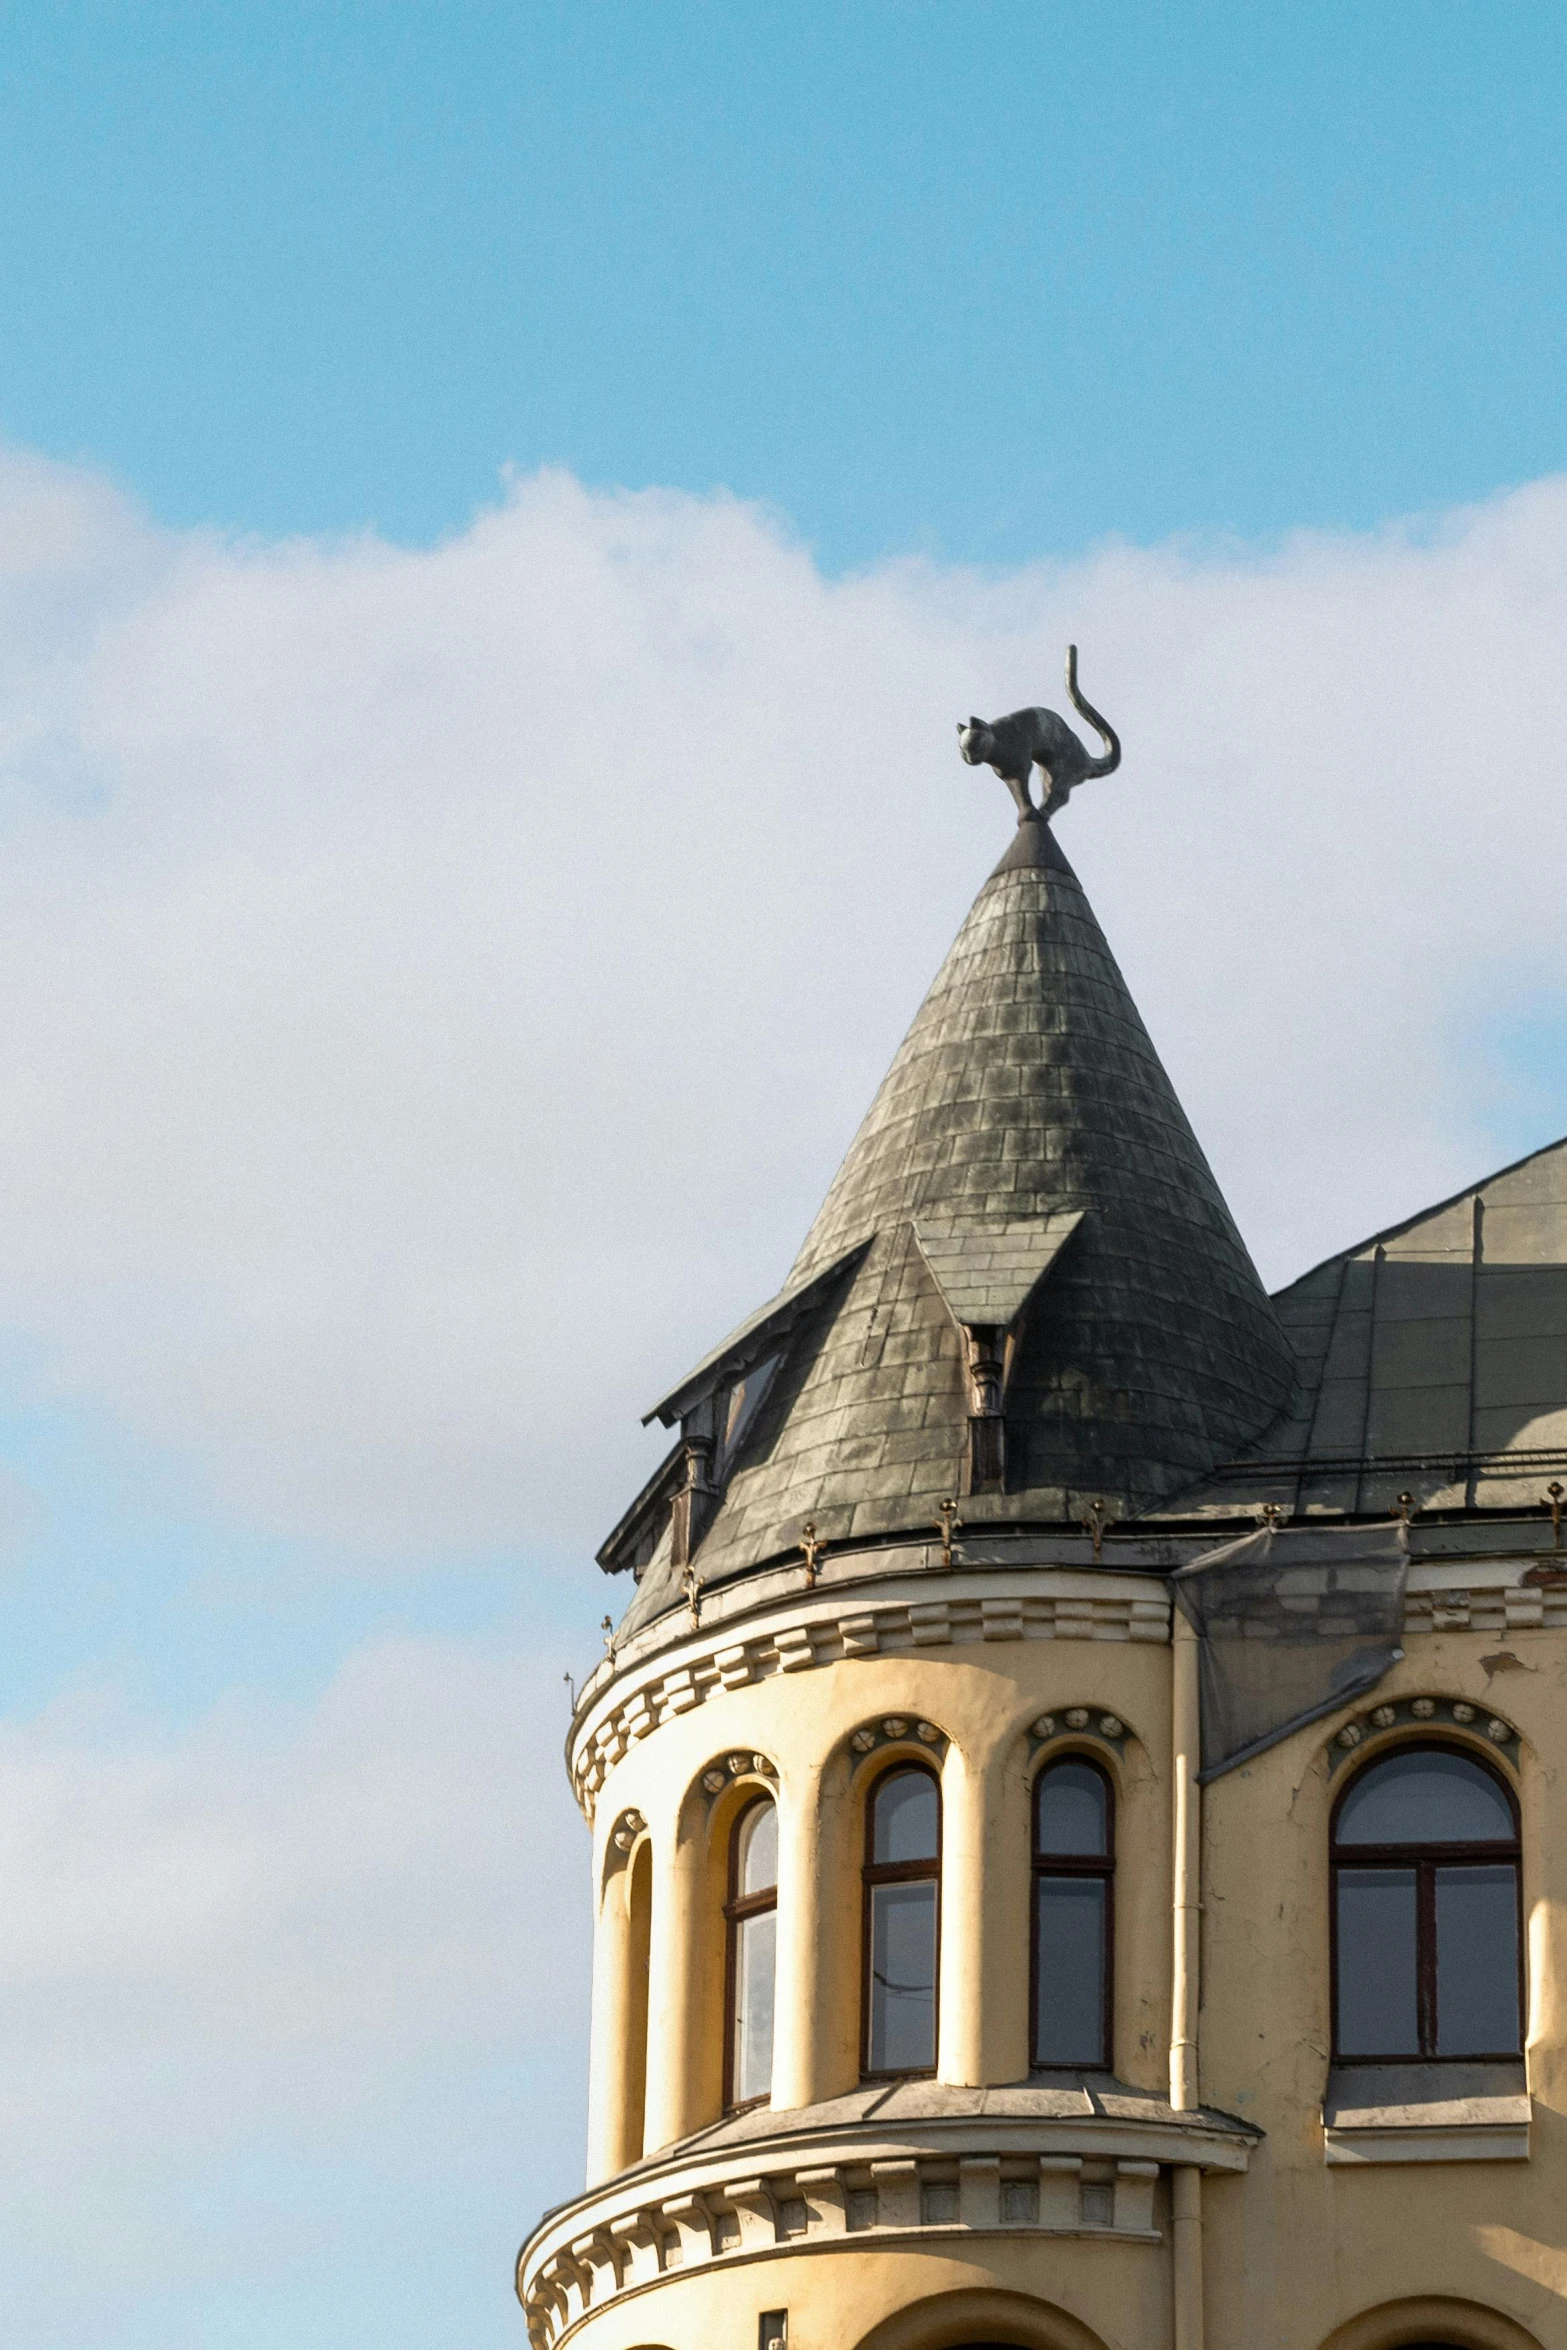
(1545, 1892)
(960, 1995)
(1187, 1859)
(1186, 2255)
(799, 1988)
(674, 2071)
(609, 2146)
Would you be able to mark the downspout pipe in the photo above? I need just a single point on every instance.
(1185, 1974)
(1185, 1984)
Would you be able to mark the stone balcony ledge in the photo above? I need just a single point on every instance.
(911, 2161)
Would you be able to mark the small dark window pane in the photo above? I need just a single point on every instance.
(903, 1978)
(1377, 2009)
(1426, 1798)
(906, 1818)
(1073, 1807)
(1071, 2022)
(1477, 1961)
(758, 1869)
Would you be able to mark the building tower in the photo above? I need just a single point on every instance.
(1077, 1789)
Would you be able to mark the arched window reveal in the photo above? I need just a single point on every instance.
(902, 1923)
(1074, 1920)
(752, 1913)
(1427, 1948)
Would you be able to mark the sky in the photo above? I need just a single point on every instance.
(500, 510)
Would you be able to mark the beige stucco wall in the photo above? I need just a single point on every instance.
(1295, 2251)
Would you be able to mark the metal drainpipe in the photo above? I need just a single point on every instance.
(1186, 2181)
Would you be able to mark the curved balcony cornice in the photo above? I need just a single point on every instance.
(916, 2162)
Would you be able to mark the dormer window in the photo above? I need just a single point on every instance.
(738, 1410)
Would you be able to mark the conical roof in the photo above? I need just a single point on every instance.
(1025, 1163)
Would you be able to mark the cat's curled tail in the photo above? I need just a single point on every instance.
(1101, 726)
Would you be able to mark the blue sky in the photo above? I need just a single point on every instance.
(453, 912)
(987, 281)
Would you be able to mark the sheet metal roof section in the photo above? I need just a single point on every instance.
(1433, 1361)
(1027, 1090)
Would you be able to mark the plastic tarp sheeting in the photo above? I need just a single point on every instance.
(1291, 1626)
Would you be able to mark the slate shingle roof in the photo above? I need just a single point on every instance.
(1027, 1088)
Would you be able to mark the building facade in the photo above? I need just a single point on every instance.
(1019, 1921)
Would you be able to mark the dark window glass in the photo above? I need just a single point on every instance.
(1072, 1917)
(907, 1818)
(903, 1978)
(1476, 1960)
(752, 1913)
(1074, 1810)
(1426, 1797)
(1426, 1899)
(1073, 1914)
(1378, 1999)
(902, 1923)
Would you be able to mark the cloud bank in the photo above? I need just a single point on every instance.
(439, 985)
(292, 2006)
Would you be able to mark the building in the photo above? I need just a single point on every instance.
(1003, 1935)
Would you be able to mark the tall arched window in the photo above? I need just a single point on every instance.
(902, 1923)
(1074, 1913)
(752, 1912)
(1426, 1942)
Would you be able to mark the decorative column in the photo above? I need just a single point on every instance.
(960, 1994)
(1545, 1888)
(674, 2071)
(609, 2146)
(799, 1989)
(617, 2084)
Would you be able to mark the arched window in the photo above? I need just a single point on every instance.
(1074, 1913)
(902, 1923)
(752, 1912)
(1426, 1942)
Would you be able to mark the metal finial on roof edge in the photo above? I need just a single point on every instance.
(1025, 739)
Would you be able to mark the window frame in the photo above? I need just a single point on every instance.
(1425, 1859)
(738, 1908)
(1072, 1865)
(898, 1872)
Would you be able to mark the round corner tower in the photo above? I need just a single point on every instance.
(954, 1982)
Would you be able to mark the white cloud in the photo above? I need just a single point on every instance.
(439, 985)
(283, 1941)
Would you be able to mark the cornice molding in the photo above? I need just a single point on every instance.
(860, 2186)
(915, 1615)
